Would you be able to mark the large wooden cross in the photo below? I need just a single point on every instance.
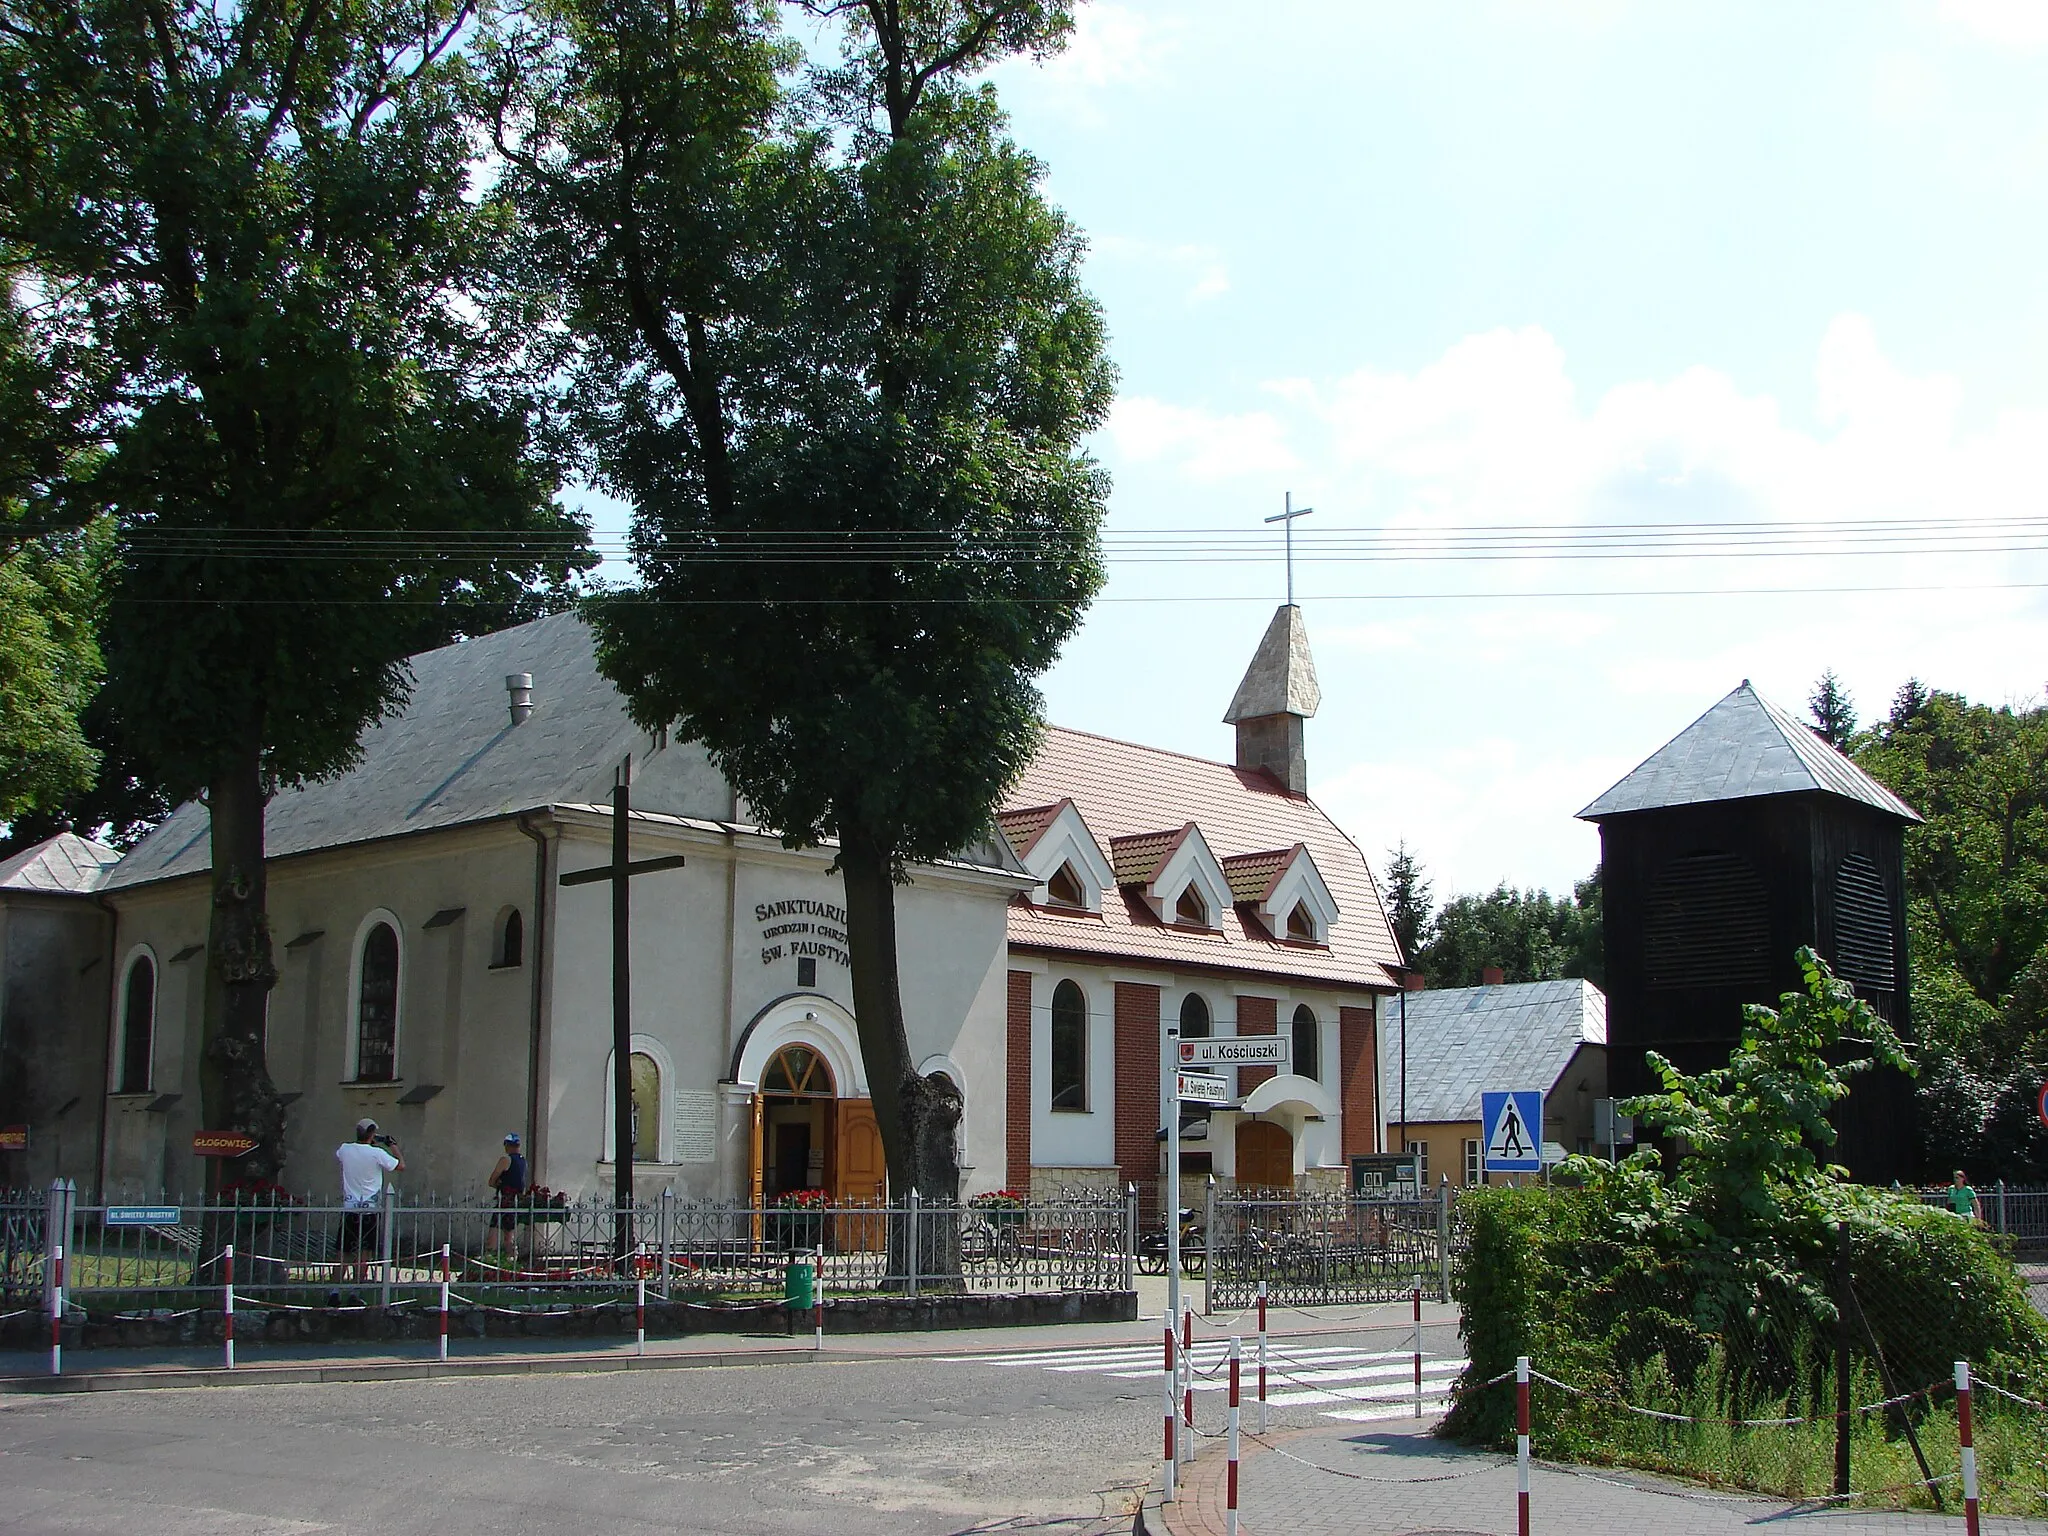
(620, 872)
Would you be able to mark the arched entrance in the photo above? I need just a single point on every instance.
(797, 1100)
(1265, 1156)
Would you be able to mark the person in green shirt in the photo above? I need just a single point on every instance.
(1962, 1199)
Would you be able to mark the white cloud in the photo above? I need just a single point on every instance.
(1111, 45)
(1201, 267)
(2014, 23)
(1203, 446)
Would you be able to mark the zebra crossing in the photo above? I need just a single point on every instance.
(1342, 1382)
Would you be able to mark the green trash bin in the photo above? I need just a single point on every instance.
(798, 1286)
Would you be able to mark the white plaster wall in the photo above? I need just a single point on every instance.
(678, 976)
(462, 1025)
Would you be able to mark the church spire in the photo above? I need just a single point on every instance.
(1277, 696)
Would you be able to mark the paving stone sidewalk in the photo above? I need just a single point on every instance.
(1395, 1480)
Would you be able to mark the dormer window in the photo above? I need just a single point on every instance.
(1191, 911)
(1301, 924)
(1064, 888)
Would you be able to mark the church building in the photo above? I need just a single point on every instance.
(436, 974)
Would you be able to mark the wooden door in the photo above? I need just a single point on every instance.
(861, 1175)
(1265, 1156)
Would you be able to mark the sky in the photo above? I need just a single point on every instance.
(1554, 263)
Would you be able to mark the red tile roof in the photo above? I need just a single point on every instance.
(1025, 827)
(1138, 857)
(1252, 876)
(1123, 790)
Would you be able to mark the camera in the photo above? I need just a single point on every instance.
(383, 1139)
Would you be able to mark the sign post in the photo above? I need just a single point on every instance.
(1511, 1130)
(1200, 1088)
(1169, 1188)
(1235, 1051)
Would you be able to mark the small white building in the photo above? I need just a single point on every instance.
(437, 975)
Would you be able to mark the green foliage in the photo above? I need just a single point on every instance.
(1409, 908)
(49, 667)
(1977, 919)
(1713, 1284)
(260, 220)
(1834, 715)
(1530, 935)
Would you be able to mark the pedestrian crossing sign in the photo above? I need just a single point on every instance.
(1512, 1123)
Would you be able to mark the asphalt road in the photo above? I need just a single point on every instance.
(850, 1446)
(847, 1448)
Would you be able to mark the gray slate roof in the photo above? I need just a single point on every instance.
(452, 756)
(1745, 746)
(1282, 677)
(1465, 1041)
(64, 865)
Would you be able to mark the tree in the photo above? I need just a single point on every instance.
(1834, 716)
(1408, 902)
(52, 560)
(842, 362)
(1531, 935)
(311, 429)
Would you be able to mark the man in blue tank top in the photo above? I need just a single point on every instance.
(508, 1178)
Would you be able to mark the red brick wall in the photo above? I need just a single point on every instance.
(1255, 1016)
(1357, 1079)
(1017, 1086)
(1137, 1082)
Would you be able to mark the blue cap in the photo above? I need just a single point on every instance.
(511, 1138)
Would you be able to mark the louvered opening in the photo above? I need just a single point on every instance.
(1863, 924)
(1707, 924)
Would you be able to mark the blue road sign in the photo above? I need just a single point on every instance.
(1511, 1131)
(142, 1215)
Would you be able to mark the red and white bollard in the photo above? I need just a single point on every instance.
(1169, 1375)
(227, 1314)
(1522, 1444)
(1187, 1376)
(1966, 1432)
(1230, 1476)
(444, 1301)
(818, 1301)
(1262, 1357)
(57, 1310)
(1418, 1354)
(640, 1300)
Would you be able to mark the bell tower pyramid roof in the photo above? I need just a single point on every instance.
(1282, 677)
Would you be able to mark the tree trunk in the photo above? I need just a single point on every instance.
(919, 1117)
(235, 1088)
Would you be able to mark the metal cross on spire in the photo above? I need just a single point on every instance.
(1287, 517)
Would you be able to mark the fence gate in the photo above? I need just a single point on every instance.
(1313, 1250)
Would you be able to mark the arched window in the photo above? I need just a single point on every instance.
(799, 1071)
(1308, 1042)
(138, 1025)
(508, 943)
(1194, 1017)
(377, 1006)
(1707, 923)
(1191, 911)
(1069, 1047)
(1301, 924)
(1064, 888)
(646, 1107)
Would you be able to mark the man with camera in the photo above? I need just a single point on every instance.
(364, 1164)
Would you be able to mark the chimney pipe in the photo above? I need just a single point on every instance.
(1492, 976)
(519, 686)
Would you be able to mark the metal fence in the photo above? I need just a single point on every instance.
(2020, 1211)
(142, 1257)
(1321, 1250)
